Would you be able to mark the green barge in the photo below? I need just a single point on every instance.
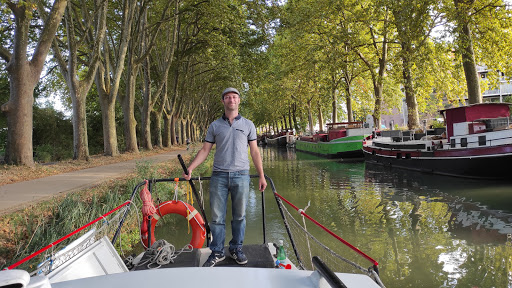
(343, 140)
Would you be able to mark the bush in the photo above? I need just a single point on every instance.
(47, 153)
(43, 153)
(437, 124)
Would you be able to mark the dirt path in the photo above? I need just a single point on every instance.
(19, 195)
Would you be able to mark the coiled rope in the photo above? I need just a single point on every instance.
(162, 253)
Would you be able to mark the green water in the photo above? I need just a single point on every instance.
(425, 231)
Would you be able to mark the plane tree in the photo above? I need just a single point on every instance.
(371, 39)
(84, 33)
(414, 24)
(25, 57)
(481, 29)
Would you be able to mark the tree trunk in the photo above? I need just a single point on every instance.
(128, 105)
(348, 99)
(80, 141)
(378, 86)
(320, 118)
(146, 107)
(294, 113)
(158, 129)
(334, 103)
(188, 129)
(183, 132)
(23, 77)
(377, 91)
(173, 130)
(465, 42)
(108, 116)
(167, 130)
(290, 124)
(410, 98)
(109, 80)
(310, 119)
(178, 131)
(19, 116)
(468, 62)
(79, 84)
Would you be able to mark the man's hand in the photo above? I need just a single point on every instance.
(262, 184)
(187, 176)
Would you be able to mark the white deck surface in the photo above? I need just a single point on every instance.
(216, 277)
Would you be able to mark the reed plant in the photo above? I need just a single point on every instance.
(27, 231)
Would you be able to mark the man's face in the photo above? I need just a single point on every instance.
(231, 101)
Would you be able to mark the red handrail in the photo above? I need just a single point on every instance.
(329, 231)
(66, 237)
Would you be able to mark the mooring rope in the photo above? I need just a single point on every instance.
(162, 253)
(148, 208)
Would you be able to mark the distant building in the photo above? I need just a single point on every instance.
(497, 94)
(397, 118)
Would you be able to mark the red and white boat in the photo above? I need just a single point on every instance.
(477, 143)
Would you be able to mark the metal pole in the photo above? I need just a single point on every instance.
(199, 200)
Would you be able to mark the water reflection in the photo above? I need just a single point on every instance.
(479, 210)
(425, 230)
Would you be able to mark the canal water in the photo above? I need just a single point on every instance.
(424, 230)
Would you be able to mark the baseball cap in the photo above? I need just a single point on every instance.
(230, 90)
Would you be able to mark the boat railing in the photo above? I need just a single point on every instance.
(344, 125)
(289, 222)
(51, 247)
(495, 124)
(125, 208)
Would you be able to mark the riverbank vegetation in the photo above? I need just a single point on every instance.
(30, 229)
(11, 174)
(150, 73)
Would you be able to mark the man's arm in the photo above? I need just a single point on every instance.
(200, 157)
(256, 159)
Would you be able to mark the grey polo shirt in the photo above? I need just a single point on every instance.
(232, 142)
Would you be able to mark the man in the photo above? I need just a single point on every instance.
(232, 134)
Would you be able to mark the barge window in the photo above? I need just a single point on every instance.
(463, 142)
(407, 156)
(452, 143)
(398, 155)
(482, 140)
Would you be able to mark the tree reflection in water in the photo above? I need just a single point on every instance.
(425, 230)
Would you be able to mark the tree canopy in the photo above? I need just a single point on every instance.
(151, 71)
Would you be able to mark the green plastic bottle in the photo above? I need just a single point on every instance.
(281, 255)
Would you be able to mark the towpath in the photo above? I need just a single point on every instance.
(19, 195)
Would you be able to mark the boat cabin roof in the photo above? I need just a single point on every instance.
(475, 112)
(344, 125)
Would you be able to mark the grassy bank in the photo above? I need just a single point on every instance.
(10, 174)
(28, 230)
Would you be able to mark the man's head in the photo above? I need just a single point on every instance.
(230, 99)
(230, 90)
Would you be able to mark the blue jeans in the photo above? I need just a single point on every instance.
(222, 184)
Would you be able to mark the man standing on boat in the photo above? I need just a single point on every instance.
(233, 134)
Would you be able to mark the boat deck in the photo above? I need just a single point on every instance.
(259, 256)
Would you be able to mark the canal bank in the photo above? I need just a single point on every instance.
(23, 194)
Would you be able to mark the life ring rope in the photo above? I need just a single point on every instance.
(191, 215)
(189, 212)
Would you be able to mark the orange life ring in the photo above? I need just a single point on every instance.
(181, 208)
